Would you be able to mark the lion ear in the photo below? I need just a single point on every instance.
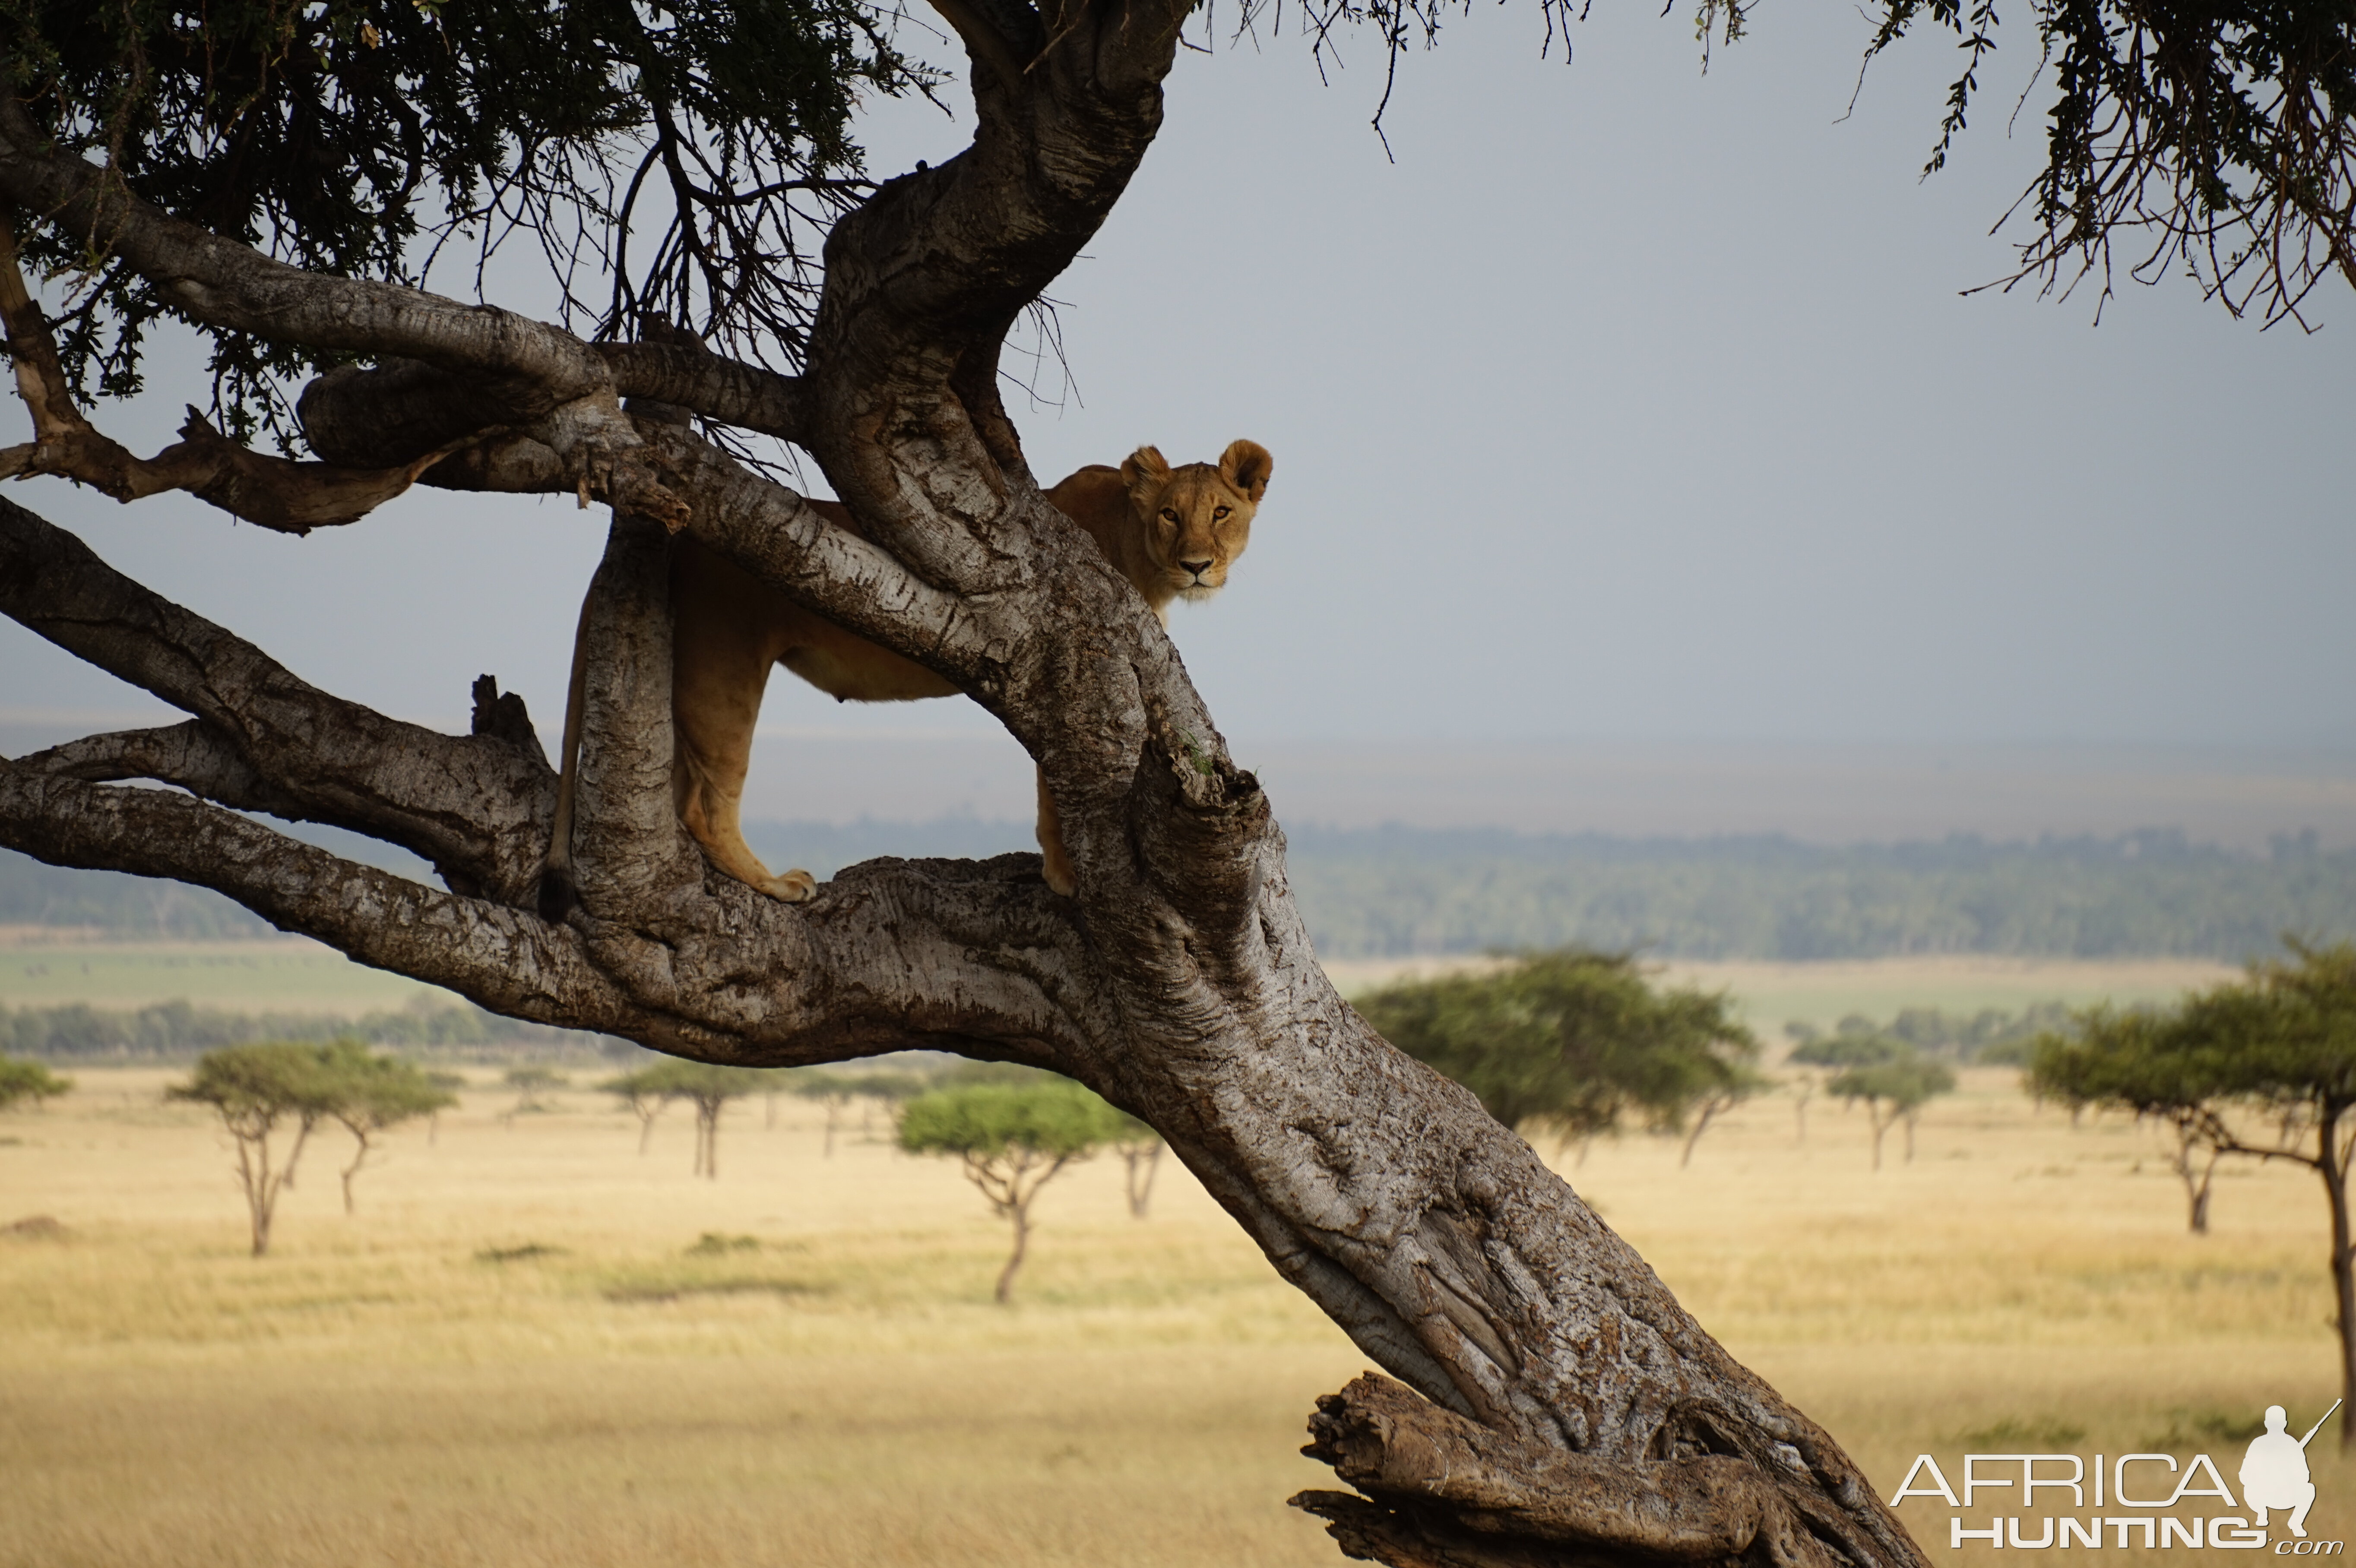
(1246, 466)
(1146, 465)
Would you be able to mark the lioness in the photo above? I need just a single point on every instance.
(1172, 532)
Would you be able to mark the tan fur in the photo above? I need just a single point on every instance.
(1173, 533)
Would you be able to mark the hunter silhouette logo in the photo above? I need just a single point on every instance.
(2154, 1492)
(2274, 1472)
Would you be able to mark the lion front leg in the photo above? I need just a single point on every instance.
(708, 805)
(722, 646)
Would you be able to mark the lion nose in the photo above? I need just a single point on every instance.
(1196, 567)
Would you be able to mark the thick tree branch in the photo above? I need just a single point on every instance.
(402, 409)
(983, 39)
(194, 755)
(289, 498)
(1449, 1490)
(476, 807)
(223, 284)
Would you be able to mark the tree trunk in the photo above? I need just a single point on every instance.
(1019, 1212)
(1596, 1421)
(2331, 1165)
(1143, 1165)
(2196, 1179)
(1701, 1124)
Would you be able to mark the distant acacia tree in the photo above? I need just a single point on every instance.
(451, 1084)
(373, 1094)
(1572, 1042)
(1013, 1139)
(1894, 1089)
(2135, 1062)
(834, 1092)
(1139, 1147)
(704, 1085)
(643, 1098)
(22, 1081)
(2278, 1047)
(530, 1084)
(255, 1089)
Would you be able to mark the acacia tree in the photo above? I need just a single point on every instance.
(253, 1089)
(837, 1092)
(266, 174)
(644, 1100)
(2128, 1061)
(21, 1081)
(1012, 1140)
(707, 1086)
(374, 1095)
(1139, 1147)
(2282, 1042)
(1894, 1089)
(529, 1085)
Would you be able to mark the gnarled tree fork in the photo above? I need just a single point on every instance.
(1557, 1405)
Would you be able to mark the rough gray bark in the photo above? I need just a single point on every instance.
(1595, 1422)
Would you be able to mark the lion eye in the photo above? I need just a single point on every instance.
(1169, 516)
(1218, 512)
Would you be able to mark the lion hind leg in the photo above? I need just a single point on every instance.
(1055, 862)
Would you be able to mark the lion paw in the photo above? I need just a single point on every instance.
(795, 887)
(1058, 873)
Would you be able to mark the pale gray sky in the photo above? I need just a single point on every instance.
(1626, 404)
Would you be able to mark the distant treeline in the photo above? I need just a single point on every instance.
(172, 1030)
(1400, 890)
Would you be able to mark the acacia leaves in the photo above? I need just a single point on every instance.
(341, 136)
(2217, 130)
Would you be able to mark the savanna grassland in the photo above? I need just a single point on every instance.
(532, 1345)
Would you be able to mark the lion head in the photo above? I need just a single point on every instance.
(1195, 519)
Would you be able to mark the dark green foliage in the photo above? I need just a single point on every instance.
(2284, 1041)
(263, 1082)
(21, 1081)
(341, 137)
(1054, 1118)
(2219, 128)
(1572, 1041)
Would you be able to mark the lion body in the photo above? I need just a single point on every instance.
(1172, 533)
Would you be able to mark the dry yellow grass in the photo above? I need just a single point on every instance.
(843, 1392)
